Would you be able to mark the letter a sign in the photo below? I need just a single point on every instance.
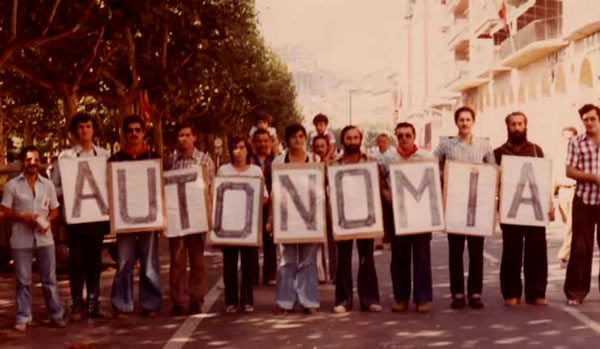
(525, 195)
(136, 196)
(84, 189)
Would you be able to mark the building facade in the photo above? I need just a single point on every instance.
(543, 60)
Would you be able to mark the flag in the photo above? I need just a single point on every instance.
(501, 6)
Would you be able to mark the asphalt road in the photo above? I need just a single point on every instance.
(556, 326)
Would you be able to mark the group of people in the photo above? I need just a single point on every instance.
(31, 202)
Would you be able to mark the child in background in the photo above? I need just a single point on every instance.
(320, 121)
(263, 122)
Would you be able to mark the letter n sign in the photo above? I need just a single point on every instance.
(355, 201)
(85, 191)
(237, 211)
(526, 190)
(416, 197)
(298, 198)
(136, 196)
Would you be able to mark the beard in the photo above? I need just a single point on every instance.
(517, 137)
(351, 148)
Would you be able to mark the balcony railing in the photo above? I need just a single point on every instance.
(459, 28)
(458, 71)
(538, 30)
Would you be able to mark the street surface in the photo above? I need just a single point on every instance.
(496, 326)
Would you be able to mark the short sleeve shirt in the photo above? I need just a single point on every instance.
(478, 151)
(251, 171)
(19, 197)
(582, 154)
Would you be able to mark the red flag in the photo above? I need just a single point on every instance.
(501, 5)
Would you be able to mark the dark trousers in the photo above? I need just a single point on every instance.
(579, 269)
(230, 275)
(85, 259)
(331, 248)
(269, 258)
(415, 248)
(181, 248)
(456, 246)
(533, 257)
(368, 289)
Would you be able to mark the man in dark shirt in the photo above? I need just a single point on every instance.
(144, 243)
(261, 140)
(535, 260)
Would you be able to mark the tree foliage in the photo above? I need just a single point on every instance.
(198, 60)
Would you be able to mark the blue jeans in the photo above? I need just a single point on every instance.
(297, 276)
(23, 258)
(145, 245)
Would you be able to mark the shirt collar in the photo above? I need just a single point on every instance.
(196, 154)
(21, 176)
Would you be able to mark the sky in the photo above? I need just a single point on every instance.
(350, 37)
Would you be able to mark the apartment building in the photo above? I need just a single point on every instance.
(545, 62)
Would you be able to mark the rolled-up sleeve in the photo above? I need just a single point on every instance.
(8, 195)
(572, 153)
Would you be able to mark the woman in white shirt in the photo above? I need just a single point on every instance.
(297, 273)
(240, 153)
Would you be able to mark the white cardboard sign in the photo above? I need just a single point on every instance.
(416, 197)
(136, 196)
(187, 196)
(355, 201)
(526, 189)
(85, 191)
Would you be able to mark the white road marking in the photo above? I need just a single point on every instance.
(491, 258)
(579, 316)
(584, 319)
(187, 328)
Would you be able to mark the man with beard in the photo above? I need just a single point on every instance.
(30, 201)
(514, 237)
(368, 289)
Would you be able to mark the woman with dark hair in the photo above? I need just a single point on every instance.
(297, 273)
(240, 154)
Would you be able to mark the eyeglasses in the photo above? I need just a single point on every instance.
(133, 130)
(404, 135)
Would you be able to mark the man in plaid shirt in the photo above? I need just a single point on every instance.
(187, 156)
(582, 166)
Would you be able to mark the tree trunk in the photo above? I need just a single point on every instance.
(69, 110)
(27, 133)
(158, 133)
(3, 140)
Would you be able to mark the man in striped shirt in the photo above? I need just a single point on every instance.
(188, 156)
(466, 148)
(582, 166)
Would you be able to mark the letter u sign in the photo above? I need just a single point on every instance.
(136, 196)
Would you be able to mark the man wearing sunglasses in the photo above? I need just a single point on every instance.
(417, 245)
(145, 243)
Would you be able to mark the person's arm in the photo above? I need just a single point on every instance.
(25, 217)
(582, 176)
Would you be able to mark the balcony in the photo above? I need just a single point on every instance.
(458, 6)
(483, 16)
(460, 77)
(535, 40)
(581, 19)
(459, 34)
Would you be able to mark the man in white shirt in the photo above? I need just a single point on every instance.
(84, 240)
